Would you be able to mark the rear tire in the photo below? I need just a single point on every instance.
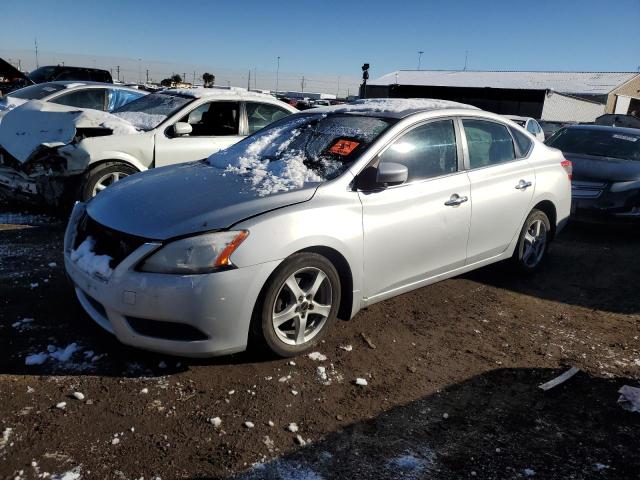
(533, 242)
(102, 176)
(298, 305)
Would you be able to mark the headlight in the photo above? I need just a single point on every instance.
(199, 254)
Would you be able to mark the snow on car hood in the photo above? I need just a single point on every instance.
(9, 103)
(184, 199)
(27, 127)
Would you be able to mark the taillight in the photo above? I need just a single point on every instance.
(568, 167)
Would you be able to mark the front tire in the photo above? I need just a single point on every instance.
(101, 177)
(299, 304)
(533, 242)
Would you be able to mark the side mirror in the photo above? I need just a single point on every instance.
(181, 129)
(390, 173)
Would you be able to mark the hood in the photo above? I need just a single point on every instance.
(606, 169)
(184, 199)
(12, 73)
(34, 124)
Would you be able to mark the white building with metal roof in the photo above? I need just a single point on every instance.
(560, 96)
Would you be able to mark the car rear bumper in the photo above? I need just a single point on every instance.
(186, 315)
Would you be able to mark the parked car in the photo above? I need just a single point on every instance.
(98, 96)
(320, 214)
(618, 120)
(606, 171)
(530, 124)
(50, 73)
(550, 127)
(82, 155)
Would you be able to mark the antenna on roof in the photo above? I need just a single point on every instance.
(466, 57)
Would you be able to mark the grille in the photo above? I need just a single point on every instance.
(166, 330)
(117, 245)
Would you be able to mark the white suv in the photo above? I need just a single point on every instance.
(173, 126)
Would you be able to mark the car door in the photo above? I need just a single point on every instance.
(418, 229)
(215, 125)
(502, 186)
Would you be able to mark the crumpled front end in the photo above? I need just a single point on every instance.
(50, 176)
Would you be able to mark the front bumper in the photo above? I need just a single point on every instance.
(599, 204)
(220, 304)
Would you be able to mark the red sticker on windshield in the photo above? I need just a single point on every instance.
(343, 147)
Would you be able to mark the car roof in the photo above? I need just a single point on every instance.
(393, 107)
(517, 117)
(605, 128)
(70, 84)
(202, 92)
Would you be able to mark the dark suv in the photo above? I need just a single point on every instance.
(59, 72)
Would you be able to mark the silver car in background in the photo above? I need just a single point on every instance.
(316, 216)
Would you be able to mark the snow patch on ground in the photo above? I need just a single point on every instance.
(90, 263)
(9, 218)
(281, 470)
(61, 357)
(74, 474)
(23, 325)
(412, 464)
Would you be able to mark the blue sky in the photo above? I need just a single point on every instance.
(334, 38)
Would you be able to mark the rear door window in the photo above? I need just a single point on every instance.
(91, 98)
(489, 143)
(427, 151)
(259, 115)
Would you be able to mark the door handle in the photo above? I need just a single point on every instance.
(523, 185)
(455, 200)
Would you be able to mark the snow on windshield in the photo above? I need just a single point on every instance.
(142, 120)
(299, 150)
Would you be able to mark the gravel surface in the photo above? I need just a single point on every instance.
(448, 385)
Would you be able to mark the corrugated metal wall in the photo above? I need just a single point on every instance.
(562, 108)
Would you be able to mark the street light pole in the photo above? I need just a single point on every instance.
(420, 58)
(277, 75)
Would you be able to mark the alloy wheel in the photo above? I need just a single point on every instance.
(302, 306)
(107, 180)
(535, 241)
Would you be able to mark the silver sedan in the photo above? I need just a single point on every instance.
(312, 218)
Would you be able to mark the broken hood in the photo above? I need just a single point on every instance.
(185, 199)
(12, 73)
(37, 124)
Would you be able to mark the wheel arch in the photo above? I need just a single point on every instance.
(549, 209)
(344, 273)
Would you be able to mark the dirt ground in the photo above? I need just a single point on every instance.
(452, 381)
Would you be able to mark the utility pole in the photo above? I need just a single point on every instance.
(255, 78)
(36, 43)
(139, 70)
(302, 84)
(277, 75)
(249, 81)
(147, 75)
(194, 79)
(19, 65)
(338, 90)
(184, 76)
(466, 57)
(118, 70)
(420, 58)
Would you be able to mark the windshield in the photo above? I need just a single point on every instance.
(299, 149)
(36, 92)
(149, 111)
(600, 143)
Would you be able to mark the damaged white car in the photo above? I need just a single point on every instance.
(97, 96)
(55, 155)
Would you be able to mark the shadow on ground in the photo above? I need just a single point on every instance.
(498, 425)
(587, 266)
